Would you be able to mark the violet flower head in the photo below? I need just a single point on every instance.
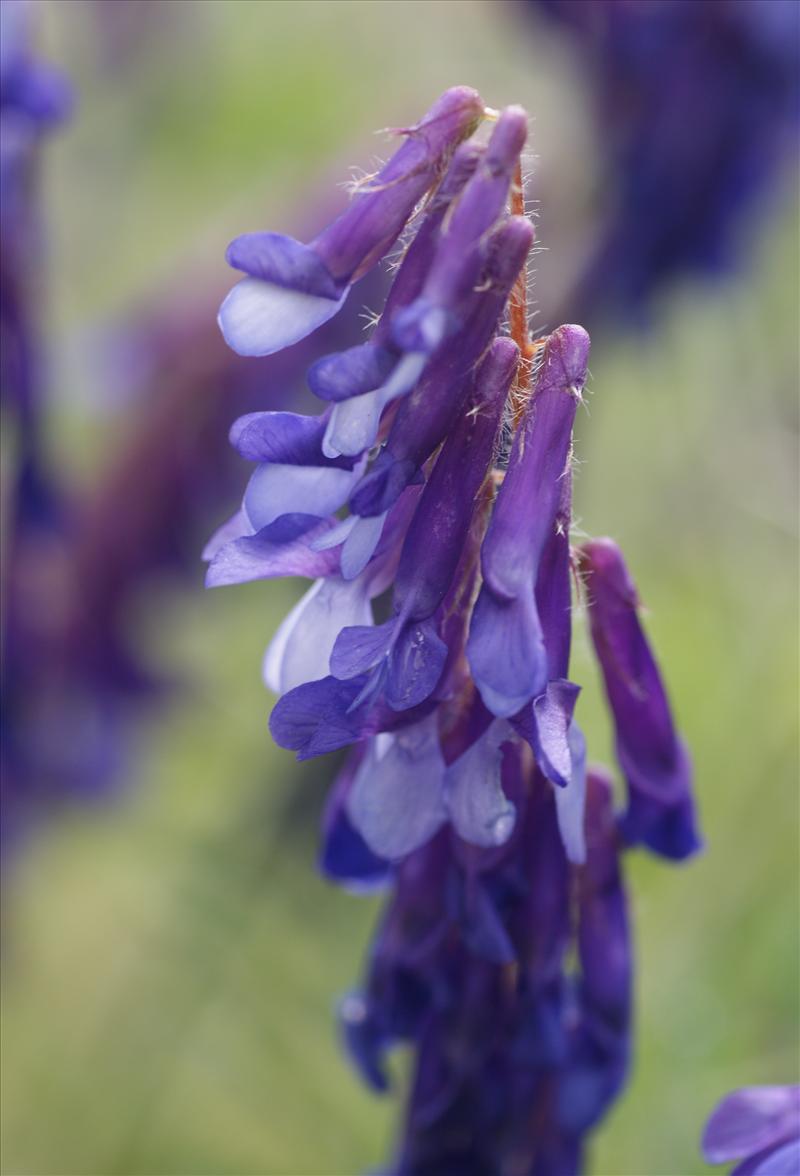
(431, 504)
(759, 1127)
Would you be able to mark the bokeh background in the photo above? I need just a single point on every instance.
(172, 957)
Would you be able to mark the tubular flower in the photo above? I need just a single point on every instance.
(430, 504)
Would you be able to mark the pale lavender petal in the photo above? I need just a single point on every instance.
(476, 803)
(396, 798)
(259, 318)
(275, 490)
(301, 649)
(353, 425)
(360, 544)
(571, 801)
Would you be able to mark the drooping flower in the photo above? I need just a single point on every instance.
(431, 504)
(758, 1126)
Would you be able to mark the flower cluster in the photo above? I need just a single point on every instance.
(431, 504)
(759, 1126)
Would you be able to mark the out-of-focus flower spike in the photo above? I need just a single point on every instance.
(654, 761)
(291, 288)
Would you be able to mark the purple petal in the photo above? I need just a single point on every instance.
(282, 261)
(783, 1162)
(415, 665)
(345, 855)
(749, 1120)
(360, 545)
(287, 438)
(301, 648)
(353, 425)
(546, 724)
(276, 490)
(316, 718)
(396, 799)
(351, 373)
(506, 652)
(359, 648)
(476, 803)
(255, 558)
(571, 801)
(259, 318)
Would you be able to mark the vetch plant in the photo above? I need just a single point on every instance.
(431, 504)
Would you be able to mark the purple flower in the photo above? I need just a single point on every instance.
(698, 107)
(291, 288)
(654, 761)
(760, 1127)
(435, 644)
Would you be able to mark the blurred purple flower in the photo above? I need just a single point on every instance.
(698, 107)
(760, 1127)
(441, 469)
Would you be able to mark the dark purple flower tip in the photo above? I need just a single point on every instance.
(351, 373)
(749, 1121)
(652, 757)
(282, 261)
(508, 139)
(369, 227)
(565, 360)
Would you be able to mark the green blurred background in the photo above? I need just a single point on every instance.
(172, 959)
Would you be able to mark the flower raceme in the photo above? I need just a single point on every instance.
(430, 503)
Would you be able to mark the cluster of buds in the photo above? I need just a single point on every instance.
(431, 505)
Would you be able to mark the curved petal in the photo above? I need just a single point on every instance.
(301, 648)
(396, 799)
(571, 800)
(275, 490)
(749, 1120)
(259, 318)
(476, 803)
